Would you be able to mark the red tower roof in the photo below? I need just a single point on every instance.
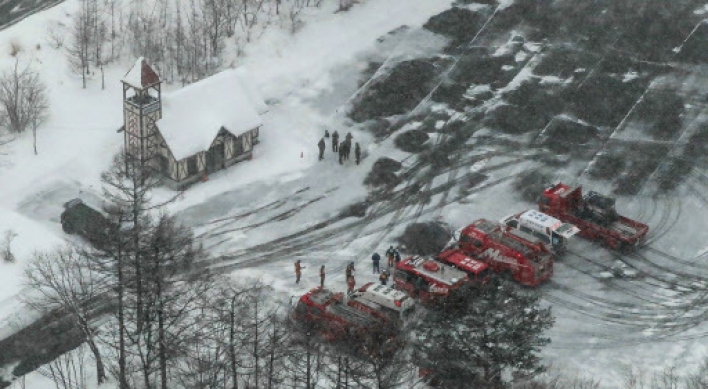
(141, 75)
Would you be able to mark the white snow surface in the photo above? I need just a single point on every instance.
(193, 115)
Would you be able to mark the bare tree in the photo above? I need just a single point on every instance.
(79, 51)
(66, 279)
(23, 100)
(68, 371)
(56, 35)
(294, 10)
(5, 249)
(126, 187)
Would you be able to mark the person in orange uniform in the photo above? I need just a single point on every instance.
(350, 285)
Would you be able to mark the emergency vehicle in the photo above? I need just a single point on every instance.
(426, 278)
(544, 228)
(594, 214)
(507, 252)
(476, 270)
(332, 317)
(382, 301)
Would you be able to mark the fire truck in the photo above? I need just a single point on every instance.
(334, 319)
(594, 214)
(427, 279)
(382, 301)
(507, 252)
(476, 270)
(544, 228)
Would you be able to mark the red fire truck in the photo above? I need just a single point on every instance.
(476, 270)
(426, 278)
(333, 318)
(594, 214)
(529, 263)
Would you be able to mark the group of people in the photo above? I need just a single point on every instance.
(393, 255)
(298, 273)
(343, 148)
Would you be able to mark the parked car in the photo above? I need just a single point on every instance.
(86, 222)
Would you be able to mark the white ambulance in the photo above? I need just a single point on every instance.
(544, 228)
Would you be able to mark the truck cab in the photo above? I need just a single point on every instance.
(427, 279)
(477, 271)
(543, 228)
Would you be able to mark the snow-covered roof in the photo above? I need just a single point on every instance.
(141, 75)
(251, 90)
(193, 115)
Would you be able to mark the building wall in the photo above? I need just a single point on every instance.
(236, 149)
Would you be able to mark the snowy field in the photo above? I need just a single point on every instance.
(647, 309)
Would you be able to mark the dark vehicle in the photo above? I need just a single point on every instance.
(80, 219)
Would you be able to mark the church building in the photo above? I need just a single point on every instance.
(188, 134)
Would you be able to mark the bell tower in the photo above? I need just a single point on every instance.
(142, 107)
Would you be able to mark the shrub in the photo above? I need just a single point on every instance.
(460, 24)
(606, 166)
(603, 100)
(383, 173)
(531, 184)
(396, 92)
(355, 210)
(412, 141)
(513, 119)
(672, 173)
(482, 68)
(663, 110)
(425, 238)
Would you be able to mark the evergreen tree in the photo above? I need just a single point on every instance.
(482, 336)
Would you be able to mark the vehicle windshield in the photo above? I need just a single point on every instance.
(557, 240)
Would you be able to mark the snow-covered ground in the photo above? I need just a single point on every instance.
(307, 79)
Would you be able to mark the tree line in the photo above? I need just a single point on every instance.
(183, 40)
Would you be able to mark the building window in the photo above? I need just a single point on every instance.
(192, 167)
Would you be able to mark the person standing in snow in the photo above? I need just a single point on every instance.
(321, 146)
(350, 285)
(347, 148)
(322, 276)
(397, 256)
(357, 152)
(326, 134)
(298, 271)
(349, 270)
(375, 259)
(335, 141)
(390, 253)
(341, 153)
